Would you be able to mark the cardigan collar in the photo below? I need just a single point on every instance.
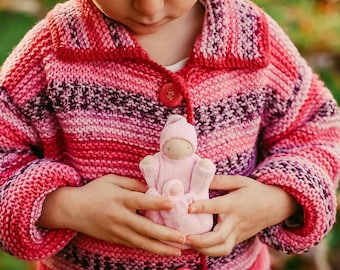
(234, 35)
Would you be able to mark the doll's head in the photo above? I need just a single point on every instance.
(173, 187)
(178, 138)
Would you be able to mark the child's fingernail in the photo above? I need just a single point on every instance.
(192, 209)
(168, 204)
(181, 239)
(177, 253)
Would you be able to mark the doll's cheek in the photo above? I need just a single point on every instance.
(178, 149)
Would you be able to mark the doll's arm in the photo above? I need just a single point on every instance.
(203, 173)
(149, 166)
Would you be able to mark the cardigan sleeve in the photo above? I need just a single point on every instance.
(26, 176)
(300, 146)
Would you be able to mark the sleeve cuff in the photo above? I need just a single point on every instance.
(311, 189)
(21, 237)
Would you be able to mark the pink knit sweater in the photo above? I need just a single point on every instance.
(81, 99)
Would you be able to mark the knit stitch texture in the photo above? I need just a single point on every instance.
(79, 99)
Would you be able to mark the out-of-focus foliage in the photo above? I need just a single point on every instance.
(314, 27)
(13, 27)
(16, 18)
(49, 3)
(9, 263)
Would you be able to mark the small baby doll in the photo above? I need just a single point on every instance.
(177, 172)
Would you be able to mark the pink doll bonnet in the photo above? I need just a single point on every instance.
(178, 127)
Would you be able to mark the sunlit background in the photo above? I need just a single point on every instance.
(313, 25)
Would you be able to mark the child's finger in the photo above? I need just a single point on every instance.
(153, 245)
(218, 242)
(146, 227)
(141, 201)
(216, 205)
(222, 249)
(131, 238)
(228, 182)
(126, 182)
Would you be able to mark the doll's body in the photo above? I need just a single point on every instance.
(177, 172)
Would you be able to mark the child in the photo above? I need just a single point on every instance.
(84, 97)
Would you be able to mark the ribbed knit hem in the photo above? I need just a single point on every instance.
(252, 255)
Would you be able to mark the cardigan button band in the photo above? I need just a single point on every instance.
(170, 96)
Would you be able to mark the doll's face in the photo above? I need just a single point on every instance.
(177, 148)
(144, 16)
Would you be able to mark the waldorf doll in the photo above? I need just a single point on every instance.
(177, 172)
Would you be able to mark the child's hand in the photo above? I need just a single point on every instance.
(106, 209)
(248, 208)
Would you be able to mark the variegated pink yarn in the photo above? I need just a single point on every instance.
(80, 98)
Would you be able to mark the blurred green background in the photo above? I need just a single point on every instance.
(313, 25)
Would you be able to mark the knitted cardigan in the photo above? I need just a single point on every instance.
(80, 99)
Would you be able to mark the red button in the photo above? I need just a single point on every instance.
(170, 96)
